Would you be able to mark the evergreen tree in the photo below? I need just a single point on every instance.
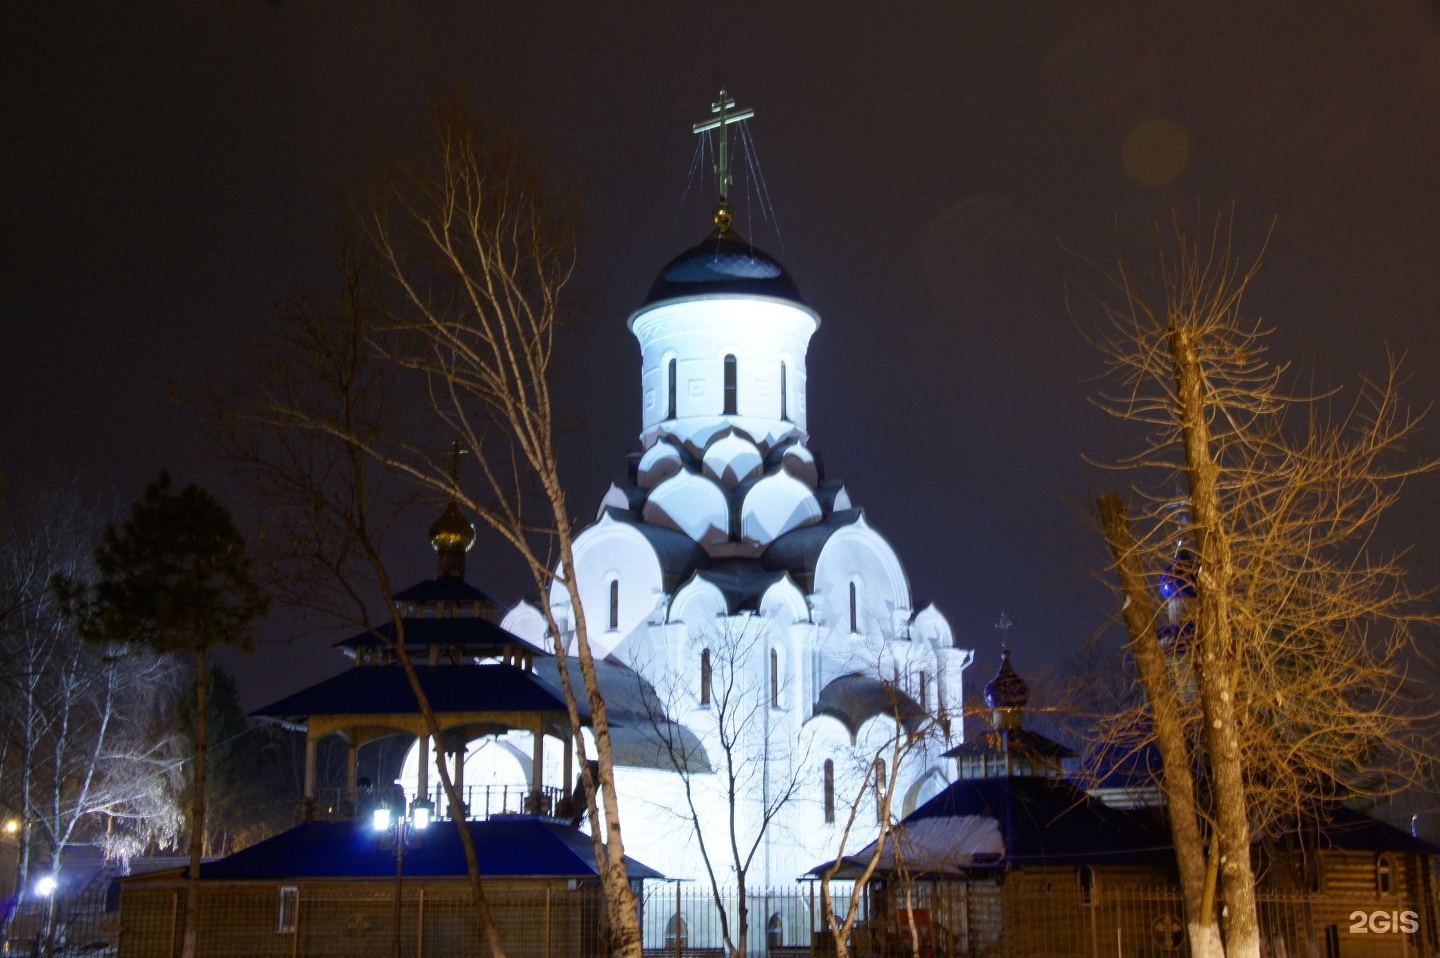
(175, 577)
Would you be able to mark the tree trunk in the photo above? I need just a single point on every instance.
(622, 911)
(1213, 653)
(1178, 779)
(197, 807)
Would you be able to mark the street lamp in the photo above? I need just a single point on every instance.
(402, 832)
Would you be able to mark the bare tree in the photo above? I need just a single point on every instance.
(758, 769)
(87, 755)
(877, 764)
(1275, 664)
(479, 251)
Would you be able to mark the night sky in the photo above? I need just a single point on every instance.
(173, 170)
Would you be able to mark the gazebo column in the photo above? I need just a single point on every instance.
(423, 773)
(566, 782)
(351, 767)
(459, 778)
(536, 803)
(307, 804)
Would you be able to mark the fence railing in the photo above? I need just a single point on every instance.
(941, 920)
(481, 802)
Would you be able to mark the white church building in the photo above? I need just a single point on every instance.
(769, 628)
(755, 636)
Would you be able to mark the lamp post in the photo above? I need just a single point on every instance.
(401, 832)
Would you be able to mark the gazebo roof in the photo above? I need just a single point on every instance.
(384, 690)
(509, 847)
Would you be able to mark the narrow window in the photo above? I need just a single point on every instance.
(730, 390)
(784, 394)
(924, 697)
(289, 909)
(1384, 875)
(829, 792)
(670, 387)
(774, 932)
(677, 934)
(880, 782)
(1087, 885)
(774, 679)
(854, 608)
(705, 677)
(614, 604)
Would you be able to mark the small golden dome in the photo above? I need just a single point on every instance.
(452, 532)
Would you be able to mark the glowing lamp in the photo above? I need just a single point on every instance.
(382, 819)
(46, 885)
(421, 813)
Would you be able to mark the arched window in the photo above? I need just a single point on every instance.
(677, 934)
(829, 792)
(731, 405)
(774, 679)
(1384, 875)
(854, 608)
(880, 783)
(784, 394)
(670, 390)
(924, 690)
(705, 677)
(614, 604)
(774, 932)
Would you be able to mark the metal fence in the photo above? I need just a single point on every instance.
(1057, 919)
(87, 924)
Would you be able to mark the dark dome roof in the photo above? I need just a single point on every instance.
(1007, 690)
(723, 263)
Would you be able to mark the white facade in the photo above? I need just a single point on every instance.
(730, 555)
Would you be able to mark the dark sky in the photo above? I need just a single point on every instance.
(172, 170)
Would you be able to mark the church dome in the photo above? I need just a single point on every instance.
(723, 262)
(452, 532)
(1007, 690)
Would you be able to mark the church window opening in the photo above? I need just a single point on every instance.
(731, 374)
(784, 394)
(774, 679)
(614, 605)
(1384, 875)
(829, 792)
(774, 932)
(854, 608)
(924, 696)
(880, 783)
(677, 933)
(670, 391)
(705, 677)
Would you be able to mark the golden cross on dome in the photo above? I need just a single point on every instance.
(456, 451)
(726, 115)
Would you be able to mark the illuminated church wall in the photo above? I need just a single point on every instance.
(727, 534)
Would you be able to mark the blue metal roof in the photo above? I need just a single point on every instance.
(1049, 821)
(469, 632)
(384, 690)
(507, 847)
(444, 590)
(723, 263)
